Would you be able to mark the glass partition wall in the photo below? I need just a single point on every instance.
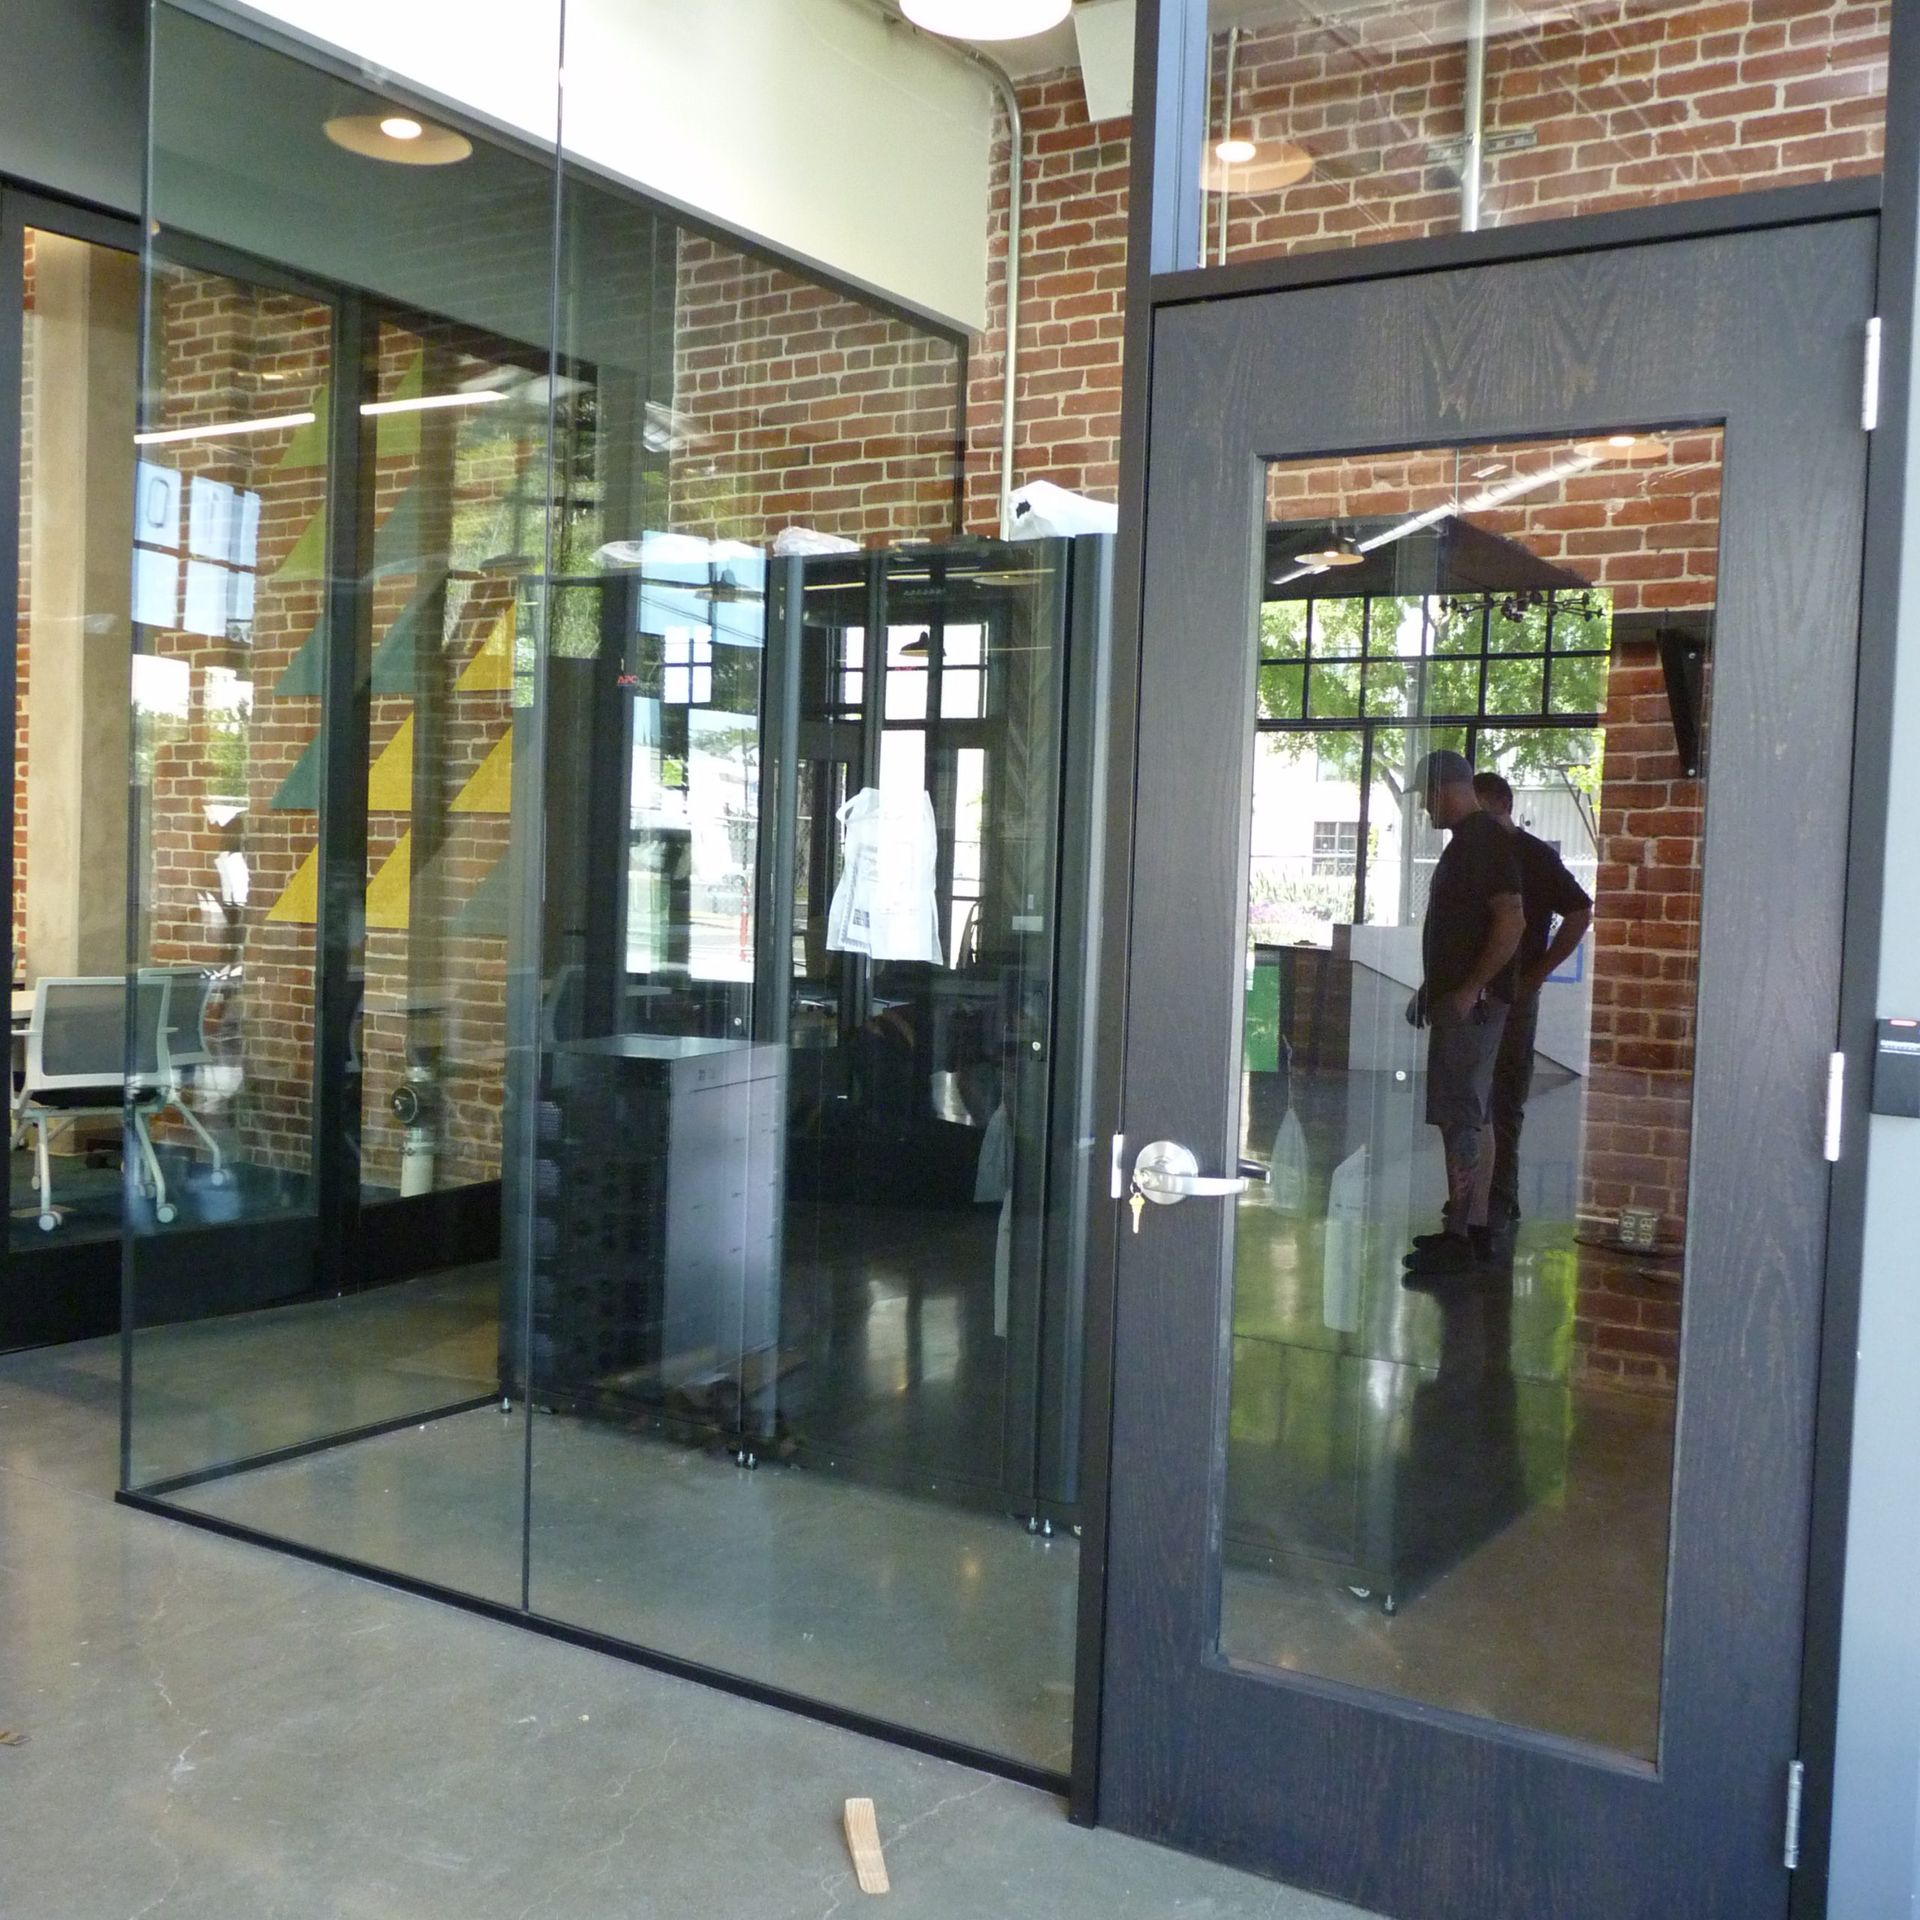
(610, 919)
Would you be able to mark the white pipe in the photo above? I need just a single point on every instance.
(1476, 116)
(1226, 134)
(1002, 85)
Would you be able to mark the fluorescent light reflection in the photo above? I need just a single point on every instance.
(268, 423)
(484, 396)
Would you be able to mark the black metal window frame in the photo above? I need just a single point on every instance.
(1417, 673)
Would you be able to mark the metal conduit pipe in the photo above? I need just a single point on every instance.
(1002, 85)
(1226, 134)
(1476, 116)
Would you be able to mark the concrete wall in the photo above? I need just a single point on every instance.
(810, 124)
(73, 98)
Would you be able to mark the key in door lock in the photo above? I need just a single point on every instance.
(1166, 1173)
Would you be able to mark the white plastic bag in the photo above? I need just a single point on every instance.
(1344, 1264)
(885, 904)
(1287, 1179)
(1042, 511)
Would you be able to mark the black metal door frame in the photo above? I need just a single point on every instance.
(1169, 121)
(76, 1292)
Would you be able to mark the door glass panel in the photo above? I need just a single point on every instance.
(1338, 123)
(79, 357)
(1448, 1452)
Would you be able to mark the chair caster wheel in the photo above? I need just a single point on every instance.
(48, 1221)
(166, 1214)
(220, 1177)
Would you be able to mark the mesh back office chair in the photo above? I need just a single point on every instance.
(188, 1050)
(77, 1069)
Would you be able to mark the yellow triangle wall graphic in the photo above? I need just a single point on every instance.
(390, 778)
(491, 788)
(390, 891)
(300, 903)
(491, 669)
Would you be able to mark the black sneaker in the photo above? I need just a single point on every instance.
(1454, 1254)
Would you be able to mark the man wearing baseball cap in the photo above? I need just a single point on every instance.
(1475, 919)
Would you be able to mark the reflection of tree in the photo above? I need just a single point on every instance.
(1277, 903)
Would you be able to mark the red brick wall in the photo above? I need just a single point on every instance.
(217, 341)
(1632, 104)
(797, 405)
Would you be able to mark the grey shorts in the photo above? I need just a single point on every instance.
(1460, 1061)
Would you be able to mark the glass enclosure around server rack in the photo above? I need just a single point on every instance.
(612, 918)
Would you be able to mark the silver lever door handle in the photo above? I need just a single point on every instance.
(1166, 1172)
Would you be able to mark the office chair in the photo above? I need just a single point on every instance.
(77, 1069)
(188, 1050)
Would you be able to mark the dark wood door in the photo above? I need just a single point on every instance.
(1474, 1592)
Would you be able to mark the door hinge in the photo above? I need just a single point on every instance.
(1870, 379)
(1796, 1794)
(1836, 1099)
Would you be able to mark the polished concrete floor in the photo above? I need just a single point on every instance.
(946, 1619)
(217, 1733)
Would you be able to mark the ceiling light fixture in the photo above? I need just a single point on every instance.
(166, 436)
(1341, 550)
(399, 138)
(986, 19)
(1631, 447)
(1240, 165)
(428, 401)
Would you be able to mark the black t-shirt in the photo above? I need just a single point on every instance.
(1547, 891)
(1478, 862)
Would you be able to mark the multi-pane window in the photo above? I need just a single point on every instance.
(1534, 654)
(1336, 846)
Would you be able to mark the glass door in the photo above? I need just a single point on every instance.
(69, 352)
(1470, 972)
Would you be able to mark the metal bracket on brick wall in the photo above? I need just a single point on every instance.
(1450, 153)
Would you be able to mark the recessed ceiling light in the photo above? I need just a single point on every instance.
(1629, 446)
(986, 19)
(1244, 166)
(398, 137)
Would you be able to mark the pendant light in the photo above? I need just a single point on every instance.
(399, 138)
(1341, 550)
(986, 19)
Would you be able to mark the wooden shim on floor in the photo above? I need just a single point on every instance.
(863, 1842)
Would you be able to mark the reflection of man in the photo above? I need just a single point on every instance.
(1546, 889)
(1473, 928)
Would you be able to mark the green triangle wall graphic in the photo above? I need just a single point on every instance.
(396, 547)
(485, 913)
(397, 433)
(302, 675)
(308, 447)
(300, 790)
(393, 659)
(308, 559)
